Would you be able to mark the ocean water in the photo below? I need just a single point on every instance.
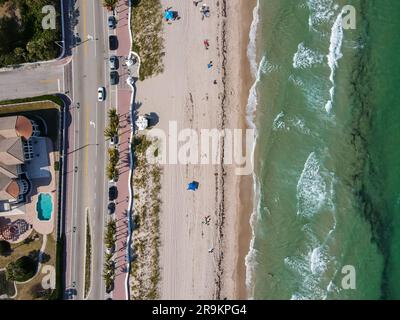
(326, 106)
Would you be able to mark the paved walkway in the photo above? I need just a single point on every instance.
(124, 98)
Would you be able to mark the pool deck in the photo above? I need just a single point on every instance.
(43, 185)
(27, 218)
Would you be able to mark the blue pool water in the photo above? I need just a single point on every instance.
(44, 207)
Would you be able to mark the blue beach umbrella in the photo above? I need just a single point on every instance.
(168, 15)
(194, 185)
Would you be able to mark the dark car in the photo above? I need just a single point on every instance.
(110, 287)
(114, 139)
(112, 22)
(113, 62)
(112, 193)
(114, 77)
(113, 42)
(111, 207)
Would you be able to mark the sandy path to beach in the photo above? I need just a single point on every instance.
(185, 93)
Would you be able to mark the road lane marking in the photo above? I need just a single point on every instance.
(48, 81)
(94, 29)
(58, 84)
(87, 144)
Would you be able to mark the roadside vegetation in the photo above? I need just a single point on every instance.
(148, 42)
(88, 256)
(109, 267)
(113, 159)
(110, 4)
(22, 37)
(113, 124)
(145, 268)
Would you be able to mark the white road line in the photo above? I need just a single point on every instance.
(94, 29)
(59, 85)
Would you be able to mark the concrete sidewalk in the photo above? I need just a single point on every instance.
(124, 99)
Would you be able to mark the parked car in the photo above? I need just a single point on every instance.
(114, 77)
(112, 22)
(110, 250)
(113, 62)
(113, 42)
(110, 287)
(114, 139)
(101, 94)
(111, 207)
(112, 193)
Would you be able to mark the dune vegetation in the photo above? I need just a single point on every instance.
(148, 42)
(145, 269)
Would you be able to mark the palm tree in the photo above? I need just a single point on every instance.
(109, 133)
(110, 171)
(113, 155)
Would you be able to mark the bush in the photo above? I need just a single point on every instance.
(5, 248)
(25, 40)
(21, 270)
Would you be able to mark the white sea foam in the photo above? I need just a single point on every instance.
(311, 188)
(280, 123)
(305, 57)
(335, 53)
(250, 259)
(320, 11)
(311, 268)
(252, 47)
(335, 47)
(296, 80)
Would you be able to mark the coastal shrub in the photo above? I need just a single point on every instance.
(148, 42)
(110, 4)
(22, 37)
(145, 268)
(5, 248)
(21, 270)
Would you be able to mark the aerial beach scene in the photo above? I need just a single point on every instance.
(199, 150)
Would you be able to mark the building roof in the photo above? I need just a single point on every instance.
(23, 127)
(11, 152)
(9, 171)
(15, 126)
(9, 188)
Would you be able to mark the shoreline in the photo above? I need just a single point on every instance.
(240, 81)
(245, 194)
(200, 98)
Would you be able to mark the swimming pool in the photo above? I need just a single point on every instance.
(44, 207)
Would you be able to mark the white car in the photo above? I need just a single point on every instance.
(101, 93)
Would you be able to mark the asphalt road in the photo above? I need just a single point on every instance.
(24, 83)
(89, 186)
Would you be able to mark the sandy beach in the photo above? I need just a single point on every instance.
(198, 97)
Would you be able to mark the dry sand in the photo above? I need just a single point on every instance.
(185, 93)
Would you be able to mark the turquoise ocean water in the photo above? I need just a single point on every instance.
(327, 179)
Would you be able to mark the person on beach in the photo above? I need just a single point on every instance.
(210, 65)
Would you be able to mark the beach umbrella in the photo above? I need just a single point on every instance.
(193, 186)
(168, 15)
